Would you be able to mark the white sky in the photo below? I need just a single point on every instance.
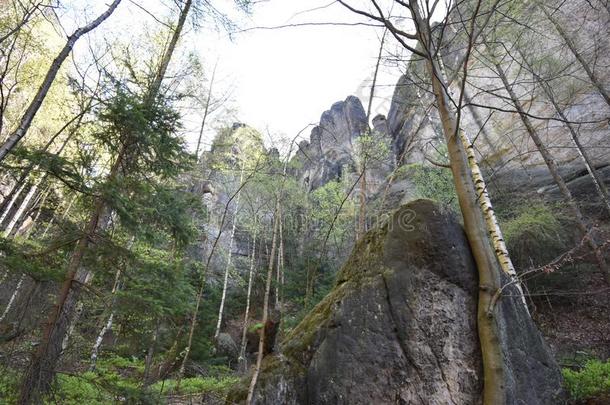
(282, 79)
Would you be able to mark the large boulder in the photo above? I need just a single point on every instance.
(400, 327)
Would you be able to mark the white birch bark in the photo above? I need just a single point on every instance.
(13, 298)
(242, 348)
(9, 206)
(228, 267)
(108, 325)
(22, 207)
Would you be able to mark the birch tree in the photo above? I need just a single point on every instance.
(30, 114)
(481, 227)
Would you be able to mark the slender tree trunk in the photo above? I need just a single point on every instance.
(228, 267)
(22, 207)
(11, 301)
(598, 182)
(27, 230)
(148, 363)
(28, 117)
(596, 81)
(474, 225)
(169, 52)
(242, 361)
(279, 279)
(553, 169)
(13, 200)
(361, 229)
(108, 325)
(206, 111)
(261, 342)
(491, 221)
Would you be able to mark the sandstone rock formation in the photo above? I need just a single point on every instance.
(330, 150)
(400, 328)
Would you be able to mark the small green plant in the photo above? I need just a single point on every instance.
(593, 379)
(255, 327)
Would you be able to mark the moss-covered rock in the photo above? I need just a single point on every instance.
(399, 327)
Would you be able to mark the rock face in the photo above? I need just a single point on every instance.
(330, 150)
(400, 327)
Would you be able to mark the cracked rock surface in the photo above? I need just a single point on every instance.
(398, 328)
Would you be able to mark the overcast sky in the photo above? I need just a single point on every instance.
(282, 79)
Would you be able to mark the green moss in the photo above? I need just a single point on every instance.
(364, 263)
(534, 232)
(592, 380)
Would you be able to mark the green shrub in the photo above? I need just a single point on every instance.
(77, 390)
(431, 182)
(593, 379)
(9, 382)
(534, 233)
(196, 385)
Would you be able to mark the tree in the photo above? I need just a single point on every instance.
(553, 169)
(481, 227)
(141, 135)
(28, 116)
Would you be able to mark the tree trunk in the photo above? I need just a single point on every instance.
(579, 57)
(206, 111)
(242, 361)
(261, 342)
(362, 211)
(13, 200)
(108, 325)
(228, 267)
(27, 229)
(475, 227)
(598, 182)
(39, 376)
(11, 301)
(553, 169)
(167, 56)
(148, 363)
(280, 263)
(28, 117)
(22, 207)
